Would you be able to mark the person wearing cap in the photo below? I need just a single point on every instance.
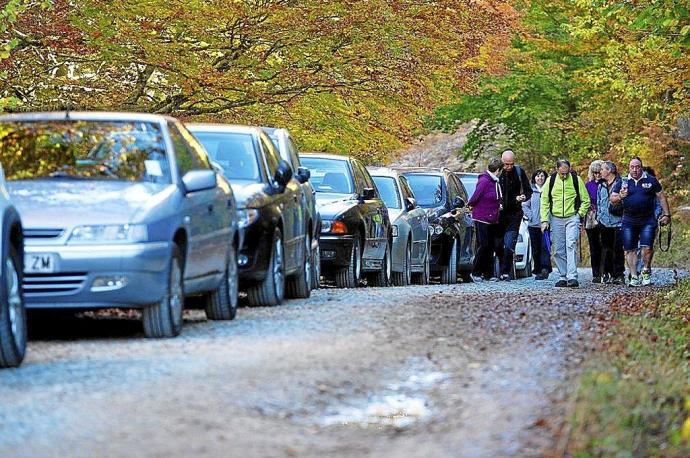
(564, 204)
(515, 189)
(639, 192)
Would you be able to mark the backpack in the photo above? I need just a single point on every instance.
(519, 173)
(578, 200)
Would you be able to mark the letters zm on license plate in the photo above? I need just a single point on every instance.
(40, 263)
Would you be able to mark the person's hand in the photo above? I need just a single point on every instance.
(665, 220)
(521, 198)
(544, 226)
(624, 192)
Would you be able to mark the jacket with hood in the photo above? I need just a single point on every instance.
(486, 200)
(532, 208)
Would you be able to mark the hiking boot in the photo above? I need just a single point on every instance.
(541, 277)
(476, 278)
(505, 277)
(635, 281)
(597, 280)
(573, 284)
(646, 277)
(561, 284)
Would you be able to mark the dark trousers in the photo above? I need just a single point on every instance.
(489, 242)
(613, 256)
(595, 250)
(509, 228)
(540, 255)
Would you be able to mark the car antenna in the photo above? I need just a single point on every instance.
(67, 115)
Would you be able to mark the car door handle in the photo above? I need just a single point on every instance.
(295, 198)
(210, 208)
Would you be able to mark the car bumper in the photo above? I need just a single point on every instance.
(335, 250)
(141, 267)
(255, 254)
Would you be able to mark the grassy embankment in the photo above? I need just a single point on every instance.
(634, 397)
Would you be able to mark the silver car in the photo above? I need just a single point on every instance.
(12, 313)
(410, 227)
(120, 210)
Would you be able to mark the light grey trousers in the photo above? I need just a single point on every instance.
(564, 235)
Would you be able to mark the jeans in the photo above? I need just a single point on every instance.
(595, 250)
(509, 227)
(489, 241)
(613, 256)
(639, 232)
(564, 235)
(540, 256)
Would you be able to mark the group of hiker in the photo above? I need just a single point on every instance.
(620, 215)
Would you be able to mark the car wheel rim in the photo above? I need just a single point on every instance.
(176, 293)
(357, 261)
(307, 261)
(232, 277)
(389, 265)
(317, 265)
(15, 305)
(278, 267)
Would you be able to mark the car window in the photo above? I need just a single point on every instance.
(470, 183)
(272, 157)
(428, 189)
(234, 152)
(329, 175)
(388, 189)
(294, 153)
(187, 158)
(463, 191)
(453, 189)
(77, 149)
(368, 181)
(199, 152)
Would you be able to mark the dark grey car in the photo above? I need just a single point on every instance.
(120, 210)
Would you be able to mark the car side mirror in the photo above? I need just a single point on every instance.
(283, 174)
(303, 174)
(458, 202)
(410, 203)
(368, 193)
(199, 180)
(217, 167)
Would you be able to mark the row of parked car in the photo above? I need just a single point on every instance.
(103, 210)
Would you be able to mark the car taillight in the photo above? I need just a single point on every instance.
(338, 227)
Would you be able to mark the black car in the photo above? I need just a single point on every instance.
(289, 152)
(442, 194)
(270, 200)
(355, 228)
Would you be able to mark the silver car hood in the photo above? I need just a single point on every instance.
(63, 203)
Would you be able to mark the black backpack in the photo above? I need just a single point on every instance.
(578, 200)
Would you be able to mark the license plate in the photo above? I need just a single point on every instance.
(40, 263)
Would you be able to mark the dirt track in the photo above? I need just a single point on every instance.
(465, 370)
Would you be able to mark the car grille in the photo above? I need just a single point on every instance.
(42, 233)
(51, 284)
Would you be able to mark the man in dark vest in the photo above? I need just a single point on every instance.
(516, 189)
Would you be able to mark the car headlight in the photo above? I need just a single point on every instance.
(325, 227)
(247, 217)
(126, 233)
(394, 230)
(438, 230)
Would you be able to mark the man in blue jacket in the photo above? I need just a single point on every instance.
(639, 192)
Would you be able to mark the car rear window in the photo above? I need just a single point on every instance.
(428, 189)
(388, 189)
(77, 149)
(234, 152)
(329, 175)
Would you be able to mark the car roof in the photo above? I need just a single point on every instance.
(229, 128)
(467, 174)
(423, 170)
(383, 172)
(326, 156)
(85, 116)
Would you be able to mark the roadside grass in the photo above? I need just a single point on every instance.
(634, 397)
(679, 255)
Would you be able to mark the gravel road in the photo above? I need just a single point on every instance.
(465, 370)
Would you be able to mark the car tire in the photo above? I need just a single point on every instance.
(383, 277)
(299, 286)
(316, 267)
(164, 319)
(221, 304)
(271, 290)
(449, 274)
(12, 311)
(424, 277)
(348, 277)
(404, 278)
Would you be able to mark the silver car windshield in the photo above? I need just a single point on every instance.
(388, 189)
(93, 150)
(427, 189)
(235, 153)
(329, 175)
